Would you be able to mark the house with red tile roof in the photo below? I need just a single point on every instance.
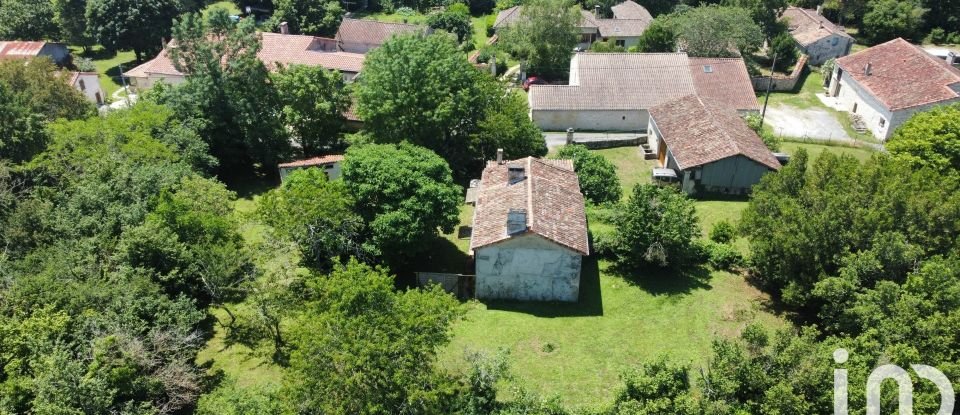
(629, 21)
(277, 49)
(330, 164)
(57, 52)
(886, 84)
(529, 231)
(819, 38)
(614, 91)
(362, 35)
(709, 147)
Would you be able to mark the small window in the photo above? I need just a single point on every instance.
(83, 87)
(621, 43)
(883, 122)
(328, 166)
(707, 69)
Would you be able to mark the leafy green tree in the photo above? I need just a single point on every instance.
(785, 49)
(404, 193)
(722, 232)
(929, 138)
(38, 85)
(655, 226)
(765, 13)
(598, 176)
(395, 106)
(231, 399)
(545, 36)
(453, 20)
(889, 19)
(362, 347)
(236, 107)
(654, 388)
(507, 126)
(27, 20)
(603, 46)
(70, 17)
(22, 133)
(717, 31)
(309, 17)
(658, 37)
(139, 25)
(314, 100)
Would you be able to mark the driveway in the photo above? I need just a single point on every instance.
(813, 123)
(559, 138)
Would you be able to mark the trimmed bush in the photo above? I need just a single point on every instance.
(722, 232)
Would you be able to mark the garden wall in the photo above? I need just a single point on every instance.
(780, 82)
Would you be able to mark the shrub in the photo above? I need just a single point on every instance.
(937, 36)
(954, 38)
(656, 226)
(771, 140)
(85, 65)
(405, 11)
(786, 50)
(598, 176)
(722, 232)
(722, 256)
(489, 22)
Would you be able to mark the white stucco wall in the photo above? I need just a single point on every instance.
(147, 82)
(528, 267)
(591, 120)
(830, 47)
(90, 87)
(332, 170)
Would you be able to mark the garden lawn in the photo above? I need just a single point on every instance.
(107, 66)
(230, 6)
(815, 150)
(631, 167)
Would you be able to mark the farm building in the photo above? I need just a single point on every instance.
(816, 36)
(330, 165)
(529, 231)
(709, 148)
(613, 91)
(57, 52)
(888, 83)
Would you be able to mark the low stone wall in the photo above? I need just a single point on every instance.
(611, 143)
(781, 83)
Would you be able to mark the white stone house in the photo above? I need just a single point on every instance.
(330, 164)
(629, 21)
(709, 148)
(89, 84)
(613, 91)
(816, 36)
(529, 231)
(888, 83)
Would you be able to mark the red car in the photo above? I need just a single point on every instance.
(533, 80)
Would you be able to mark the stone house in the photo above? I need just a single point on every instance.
(330, 164)
(624, 29)
(277, 48)
(613, 91)
(529, 231)
(57, 52)
(89, 84)
(362, 35)
(886, 84)
(816, 36)
(709, 148)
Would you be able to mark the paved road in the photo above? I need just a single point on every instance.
(556, 139)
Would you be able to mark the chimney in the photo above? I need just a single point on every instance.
(499, 156)
(596, 11)
(515, 174)
(820, 11)
(284, 28)
(951, 58)
(866, 69)
(569, 135)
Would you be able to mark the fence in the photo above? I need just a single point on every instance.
(461, 285)
(780, 82)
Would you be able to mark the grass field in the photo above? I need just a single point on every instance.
(107, 65)
(814, 150)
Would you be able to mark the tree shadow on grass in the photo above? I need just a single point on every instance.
(114, 71)
(589, 304)
(666, 281)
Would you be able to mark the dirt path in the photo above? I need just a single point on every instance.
(813, 123)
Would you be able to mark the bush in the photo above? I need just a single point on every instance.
(722, 232)
(656, 226)
(954, 38)
(405, 11)
(937, 36)
(786, 51)
(489, 21)
(598, 176)
(772, 141)
(85, 65)
(722, 256)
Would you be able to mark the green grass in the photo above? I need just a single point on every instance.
(805, 97)
(107, 65)
(631, 167)
(417, 18)
(479, 30)
(814, 150)
(230, 6)
(238, 362)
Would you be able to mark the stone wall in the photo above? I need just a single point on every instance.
(528, 267)
(780, 82)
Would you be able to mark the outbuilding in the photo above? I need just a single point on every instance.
(330, 164)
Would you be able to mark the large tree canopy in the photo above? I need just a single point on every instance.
(545, 36)
(717, 31)
(930, 138)
(140, 25)
(27, 20)
(309, 17)
(598, 176)
(314, 100)
(890, 19)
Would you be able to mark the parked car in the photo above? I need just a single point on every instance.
(533, 80)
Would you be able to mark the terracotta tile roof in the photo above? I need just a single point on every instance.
(276, 48)
(514, 14)
(372, 32)
(549, 195)
(622, 27)
(18, 49)
(902, 75)
(697, 134)
(313, 161)
(631, 10)
(724, 81)
(622, 81)
(807, 27)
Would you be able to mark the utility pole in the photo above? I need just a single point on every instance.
(123, 81)
(769, 85)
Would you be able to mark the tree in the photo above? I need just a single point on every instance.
(404, 193)
(545, 36)
(889, 19)
(70, 17)
(395, 105)
(38, 85)
(656, 226)
(22, 133)
(507, 126)
(236, 108)
(140, 25)
(597, 175)
(765, 13)
(929, 138)
(27, 20)
(454, 20)
(314, 100)
(785, 49)
(655, 387)
(658, 37)
(717, 31)
(363, 348)
(309, 17)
